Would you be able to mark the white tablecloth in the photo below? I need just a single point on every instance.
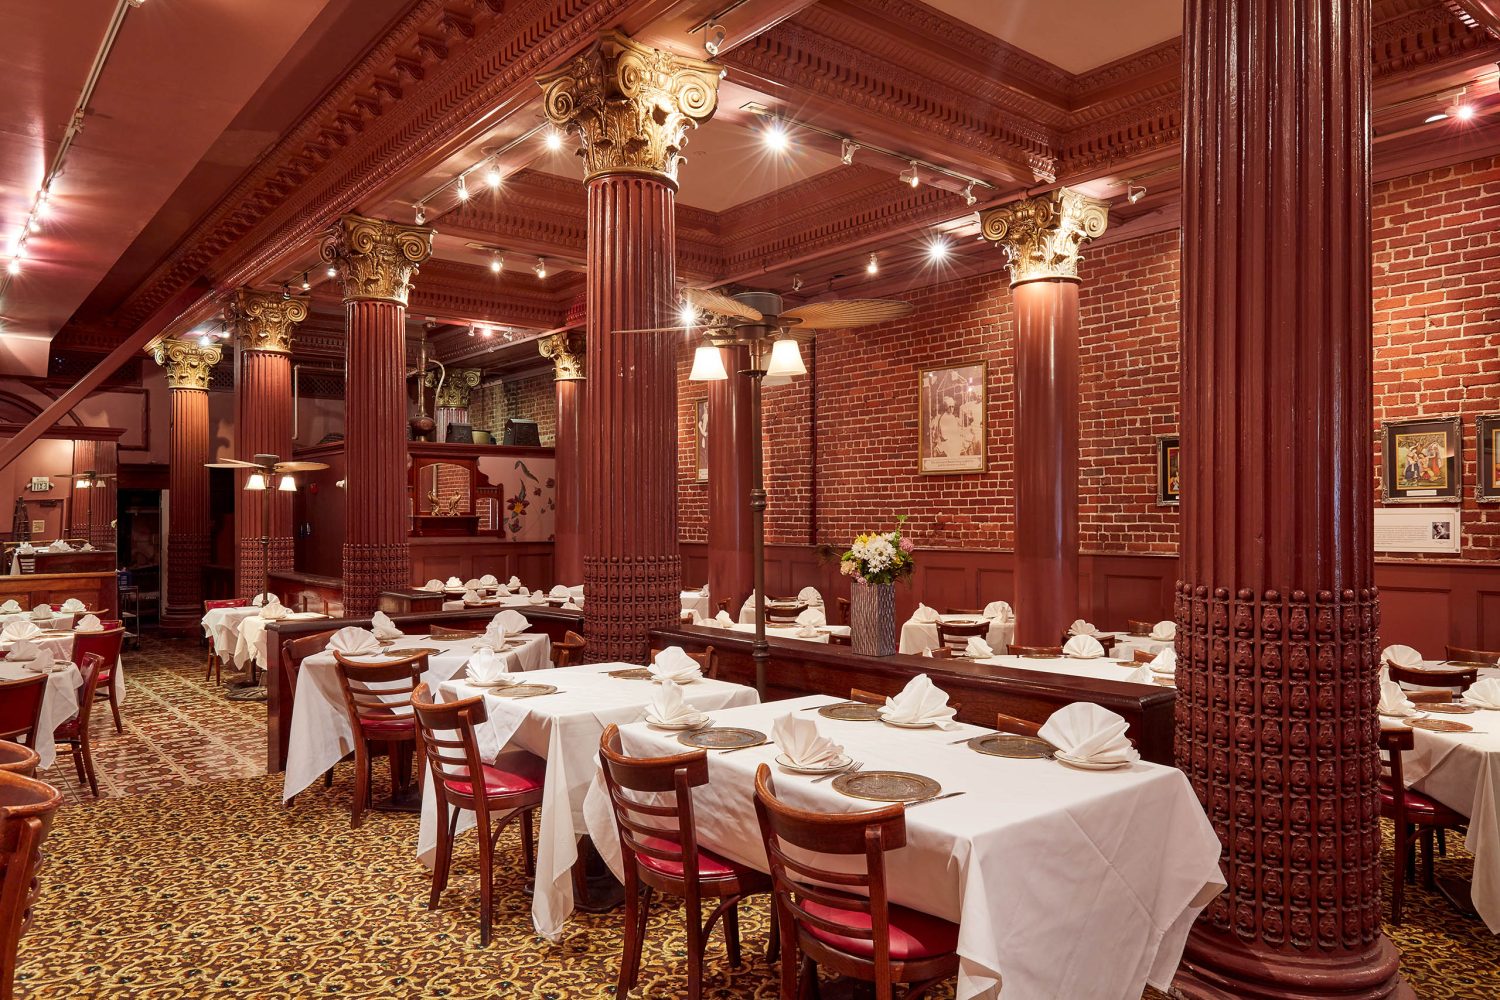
(918, 637)
(1103, 668)
(694, 600)
(565, 729)
(1126, 645)
(59, 704)
(61, 619)
(1065, 883)
(221, 626)
(789, 631)
(61, 648)
(250, 637)
(320, 734)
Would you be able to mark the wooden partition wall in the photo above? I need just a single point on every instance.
(97, 590)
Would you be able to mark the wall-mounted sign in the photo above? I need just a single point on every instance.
(40, 484)
(1419, 529)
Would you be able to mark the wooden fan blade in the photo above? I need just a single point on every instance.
(709, 300)
(659, 329)
(231, 463)
(843, 314)
(299, 466)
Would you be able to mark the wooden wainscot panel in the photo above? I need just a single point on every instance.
(307, 591)
(800, 668)
(470, 558)
(97, 590)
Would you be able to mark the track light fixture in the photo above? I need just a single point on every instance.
(796, 282)
(540, 268)
(553, 140)
(713, 38)
(910, 175)
(1464, 112)
(1134, 192)
(286, 290)
(333, 272)
(463, 189)
(775, 137)
(497, 263)
(421, 214)
(873, 265)
(847, 149)
(968, 194)
(492, 175)
(306, 284)
(938, 250)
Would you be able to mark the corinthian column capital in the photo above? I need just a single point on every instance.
(631, 105)
(264, 322)
(375, 259)
(1043, 235)
(567, 360)
(187, 365)
(457, 386)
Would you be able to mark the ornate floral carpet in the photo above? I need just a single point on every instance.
(191, 880)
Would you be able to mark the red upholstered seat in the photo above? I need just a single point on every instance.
(67, 729)
(710, 865)
(914, 934)
(380, 727)
(1421, 808)
(517, 777)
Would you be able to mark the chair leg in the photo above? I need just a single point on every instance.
(208, 673)
(630, 954)
(361, 782)
(442, 860)
(528, 843)
(486, 876)
(114, 700)
(773, 939)
(87, 753)
(640, 933)
(1442, 841)
(1398, 873)
(791, 960)
(1429, 878)
(77, 753)
(809, 981)
(732, 934)
(695, 944)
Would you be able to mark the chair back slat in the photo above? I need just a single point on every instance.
(956, 637)
(1036, 650)
(672, 778)
(21, 708)
(1486, 656)
(27, 807)
(568, 650)
(229, 602)
(1012, 724)
(106, 644)
(455, 757)
(376, 691)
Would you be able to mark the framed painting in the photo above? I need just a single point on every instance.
(1421, 460)
(1487, 484)
(951, 420)
(700, 437)
(1168, 470)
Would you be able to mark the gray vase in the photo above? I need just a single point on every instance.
(872, 618)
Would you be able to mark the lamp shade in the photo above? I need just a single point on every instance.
(708, 365)
(786, 360)
(287, 484)
(82, 484)
(257, 481)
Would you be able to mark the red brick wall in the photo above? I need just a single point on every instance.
(531, 398)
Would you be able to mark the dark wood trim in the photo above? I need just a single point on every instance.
(8, 428)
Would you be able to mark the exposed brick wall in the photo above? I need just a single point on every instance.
(530, 398)
(692, 496)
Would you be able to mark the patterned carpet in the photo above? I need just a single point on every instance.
(189, 879)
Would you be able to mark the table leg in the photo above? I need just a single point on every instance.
(595, 888)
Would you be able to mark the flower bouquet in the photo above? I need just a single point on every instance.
(875, 562)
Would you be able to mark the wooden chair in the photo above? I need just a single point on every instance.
(785, 615)
(377, 700)
(215, 670)
(840, 919)
(1138, 628)
(1012, 724)
(1480, 656)
(843, 606)
(724, 605)
(74, 733)
(976, 612)
(18, 759)
(1035, 651)
(293, 652)
(706, 660)
(21, 708)
(1409, 811)
(955, 638)
(26, 810)
(1454, 679)
(840, 639)
(107, 644)
(569, 649)
(510, 787)
(1142, 655)
(660, 853)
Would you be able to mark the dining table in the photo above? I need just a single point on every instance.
(1127, 644)
(320, 734)
(221, 627)
(59, 704)
(1106, 667)
(697, 601)
(250, 637)
(918, 637)
(58, 619)
(563, 728)
(1064, 882)
(59, 642)
(821, 633)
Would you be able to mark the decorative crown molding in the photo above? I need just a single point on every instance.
(567, 361)
(264, 322)
(1043, 235)
(187, 365)
(375, 259)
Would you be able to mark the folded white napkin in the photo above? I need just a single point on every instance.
(977, 648)
(59, 546)
(493, 637)
(489, 580)
(673, 664)
(998, 610)
(667, 707)
(1165, 662)
(1164, 631)
(560, 591)
(453, 582)
(691, 616)
(576, 592)
(1393, 701)
(473, 584)
(1401, 656)
(86, 547)
(73, 604)
(703, 590)
(383, 627)
(720, 620)
(30, 654)
(513, 622)
(260, 599)
(471, 596)
(487, 668)
(807, 632)
(1081, 627)
(274, 610)
(810, 597)
(26, 549)
(920, 701)
(89, 623)
(42, 611)
(10, 608)
(432, 585)
(1140, 675)
(523, 592)
(571, 605)
(800, 740)
(1089, 732)
(351, 640)
(1484, 693)
(502, 591)
(1083, 647)
(926, 615)
(20, 629)
(536, 597)
(514, 583)
(812, 616)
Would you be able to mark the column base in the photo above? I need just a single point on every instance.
(627, 598)
(1218, 967)
(370, 569)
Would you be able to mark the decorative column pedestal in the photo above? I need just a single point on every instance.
(567, 532)
(631, 106)
(1043, 236)
(263, 327)
(450, 403)
(187, 366)
(731, 536)
(1277, 613)
(376, 262)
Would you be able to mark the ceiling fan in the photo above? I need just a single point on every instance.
(758, 315)
(90, 478)
(268, 467)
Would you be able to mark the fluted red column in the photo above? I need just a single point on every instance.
(572, 389)
(376, 262)
(1276, 608)
(631, 106)
(93, 509)
(731, 540)
(187, 366)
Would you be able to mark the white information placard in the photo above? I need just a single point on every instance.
(1417, 529)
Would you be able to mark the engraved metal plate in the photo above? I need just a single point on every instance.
(521, 690)
(412, 651)
(633, 674)
(886, 786)
(1461, 664)
(1448, 708)
(1011, 745)
(851, 711)
(1439, 725)
(721, 738)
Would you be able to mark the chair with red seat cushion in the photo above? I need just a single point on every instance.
(21, 708)
(840, 919)
(511, 786)
(107, 644)
(74, 733)
(26, 810)
(377, 700)
(215, 669)
(1408, 811)
(653, 807)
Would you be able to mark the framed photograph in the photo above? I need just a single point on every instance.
(700, 435)
(951, 420)
(1422, 460)
(1168, 470)
(1487, 483)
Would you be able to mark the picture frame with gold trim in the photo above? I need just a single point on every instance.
(952, 419)
(1421, 460)
(1487, 477)
(1168, 470)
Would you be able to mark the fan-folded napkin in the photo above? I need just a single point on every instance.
(260, 599)
(1164, 631)
(10, 608)
(703, 590)
(514, 583)
(1484, 693)
(351, 640)
(20, 629)
(59, 546)
(803, 745)
(1401, 656)
(1140, 675)
(454, 583)
(537, 597)
(570, 605)
(810, 597)
(560, 591)
(812, 616)
(86, 547)
(920, 701)
(1393, 700)
(1165, 662)
(485, 667)
(977, 648)
(26, 549)
(473, 584)
(1081, 627)
(1088, 732)
(576, 593)
(1083, 647)
(383, 627)
(72, 604)
(998, 610)
(720, 620)
(926, 615)
(489, 580)
(42, 611)
(512, 622)
(274, 610)
(32, 655)
(89, 623)
(673, 664)
(667, 708)
(433, 584)
(471, 596)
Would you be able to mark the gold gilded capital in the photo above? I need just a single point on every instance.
(1044, 234)
(376, 260)
(264, 322)
(458, 385)
(567, 361)
(187, 365)
(631, 105)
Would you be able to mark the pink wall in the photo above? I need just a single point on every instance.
(51, 457)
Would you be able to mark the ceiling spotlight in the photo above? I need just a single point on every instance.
(43, 206)
(796, 282)
(286, 290)
(463, 189)
(775, 137)
(1133, 192)
(333, 272)
(1440, 116)
(205, 341)
(1464, 112)
(847, 149)
(14, 267)
(968, 194)
(486, 332)
(305, 283)
(713, 38)
(540, 268)
(34, 225)
(909, 176)
(497, 263)
(687, 315)
(492, 175)
(873, 265)
(938, 250)
(553, 140)
(421, 214)
(471, 329)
